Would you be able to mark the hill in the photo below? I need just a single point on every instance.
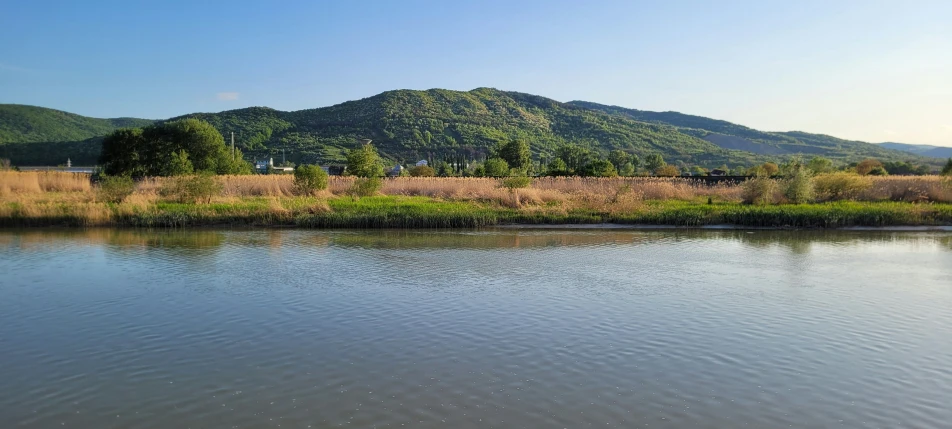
(408, 125)
(738, 137)
(920, 149)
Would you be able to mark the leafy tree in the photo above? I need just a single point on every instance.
(698, 170)
(947, 170)
(867, 166)
(600, 168)
(878, 171)
(422, 171)
(516, 153)
(574, 156)
(654, 161)
(122, 152)
(619, 158)
(667, 171)
(819, 165)
(178, 164)
(364, 162)
(557, 168)
(770, 169)
(496, 167)
(309, 179)
(627, 170)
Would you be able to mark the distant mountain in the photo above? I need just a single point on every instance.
(920, 149)
(408, 125)
(738, 137)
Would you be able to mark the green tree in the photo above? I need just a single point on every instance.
(364, 162)
(557, 168)
(516, 153)
(600, 168)
(867, 166)
(178, 164)
(309, 179)
(422, 171)
(122, 152)
(667, 170)
(574, 156)
(819, 165)
(496, 167)
(619, 158)
(627, 170)
(947, 170)
(654, 161)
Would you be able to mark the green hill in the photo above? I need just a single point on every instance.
(409, 125)
(32, 135)
(738, 137)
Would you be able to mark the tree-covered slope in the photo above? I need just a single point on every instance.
(738, 137)
(920, 149)
(407, 125)
(29, 124)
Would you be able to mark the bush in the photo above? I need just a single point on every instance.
(867, 166)
(191, 189)
(840, 186)
(759, 190)
(947, 170)
(496, 167)
(178, 164)
(517, 182)
(667, 171)
(309, 179)
(366, 186)
(798, 188)
(114, 189)
(422, 171)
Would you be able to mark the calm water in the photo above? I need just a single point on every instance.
(505, 329)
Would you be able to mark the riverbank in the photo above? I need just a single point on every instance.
(426, 212)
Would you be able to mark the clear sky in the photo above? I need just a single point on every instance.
(866, 69)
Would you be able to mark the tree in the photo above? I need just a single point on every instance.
(178, 164)
(364, 162)
(820, 165)
(516, 153)
(309, 179)
(947, 170)
(557, 168)
(654, 161)
(667, 171)
(627, 170)
(867, 166)
(619, 158)
(496, 167)
(574, 156)
(422, 171)
(122, 153)
(770, 169)
(600, 168)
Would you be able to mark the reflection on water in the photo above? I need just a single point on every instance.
(122, 328)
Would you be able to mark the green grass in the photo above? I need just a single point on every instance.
(424, 212)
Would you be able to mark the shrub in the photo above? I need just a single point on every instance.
(867, 166)
(759, 190)
(366, 186)
(178, 164)
(667, 171)
(309, 179)
(364, 162)
(947, 170)
(192, 189)
(496, 167)
(422, 171)
(798, 188)
(517, 182)
(840, 185)
(114, 189)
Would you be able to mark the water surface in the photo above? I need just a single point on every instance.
(475, 329)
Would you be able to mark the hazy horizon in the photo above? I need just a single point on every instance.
(861, 70)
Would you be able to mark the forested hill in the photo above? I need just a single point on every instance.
(407, 125)
(29, 124)
(738, 137)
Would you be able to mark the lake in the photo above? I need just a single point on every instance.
(498, 328)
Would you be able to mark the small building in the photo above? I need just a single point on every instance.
(261, 166)
(717, 172)
(422, 163)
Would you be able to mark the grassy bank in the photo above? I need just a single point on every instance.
(47, 199)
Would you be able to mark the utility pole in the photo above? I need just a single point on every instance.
(232, 145)
(283, 161)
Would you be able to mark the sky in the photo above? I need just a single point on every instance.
(867, 70)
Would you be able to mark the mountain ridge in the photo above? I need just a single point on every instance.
(418, 124)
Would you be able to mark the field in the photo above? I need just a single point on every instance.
(838, 200)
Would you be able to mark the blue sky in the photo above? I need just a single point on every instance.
(869, 70)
